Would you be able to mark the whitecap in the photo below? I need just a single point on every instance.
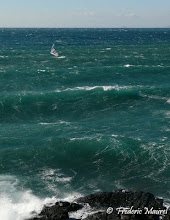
(127, 65)
(105, 88)
(41, 70)
(45, 123)
(55, 175)
(54, 123)
(115, 135)
(81, 138)
(61, 57)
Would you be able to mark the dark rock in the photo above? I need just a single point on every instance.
(104, 200)
(115, 216)
(59, 211)
(136, 199)
(104, 216)
(166, 217)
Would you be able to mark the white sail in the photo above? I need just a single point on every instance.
(53, 51)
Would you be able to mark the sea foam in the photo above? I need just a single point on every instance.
(105, 88)
(17, 204)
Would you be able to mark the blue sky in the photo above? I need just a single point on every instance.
(84, 13)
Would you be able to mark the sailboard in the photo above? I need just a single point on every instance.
(53, 51)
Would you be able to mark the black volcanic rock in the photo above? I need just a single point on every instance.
(136, 199)
(166, 217)
(59, 211)
(104, 200)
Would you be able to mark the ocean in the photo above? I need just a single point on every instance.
(96, 118)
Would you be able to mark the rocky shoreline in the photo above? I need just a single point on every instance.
(109, 206)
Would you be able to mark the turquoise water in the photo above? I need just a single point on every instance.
(95, 119)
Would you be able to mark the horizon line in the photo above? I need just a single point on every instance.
(123, 27)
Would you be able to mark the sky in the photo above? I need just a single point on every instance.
(85, 13)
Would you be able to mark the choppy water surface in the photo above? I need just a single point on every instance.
(94, 119)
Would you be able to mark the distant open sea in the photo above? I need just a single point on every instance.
(97, 118)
